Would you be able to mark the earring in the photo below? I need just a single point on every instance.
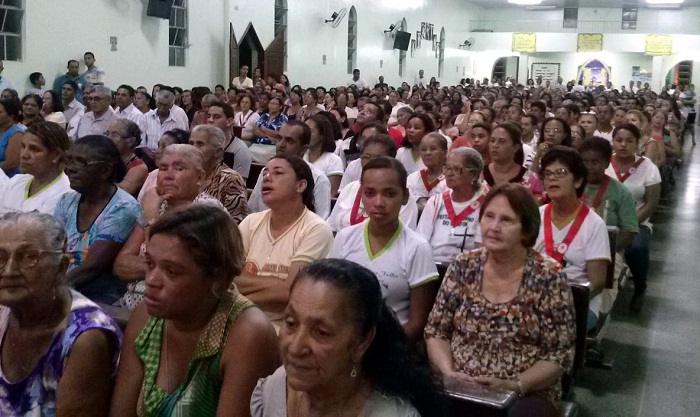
(353, 373)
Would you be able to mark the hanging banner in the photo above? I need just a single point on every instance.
(656, 45)
(524, 42)
(589, 42)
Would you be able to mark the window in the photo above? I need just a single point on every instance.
(570, 17)
(629, 18)
(178, 33)
(281, 24)
(352, 40)
(402, 53)
(11, 17)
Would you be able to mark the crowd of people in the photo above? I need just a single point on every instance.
(311, 251)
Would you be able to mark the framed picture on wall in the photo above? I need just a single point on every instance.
(547, 71)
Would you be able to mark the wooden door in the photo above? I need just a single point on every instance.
(233, 55)
(274, 56)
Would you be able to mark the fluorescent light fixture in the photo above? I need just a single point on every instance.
(664, 1)
(525, 2)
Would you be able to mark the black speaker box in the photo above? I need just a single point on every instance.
(159, 8)
(402, 40)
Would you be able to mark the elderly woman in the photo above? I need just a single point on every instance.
(349, 209)
(266, 131)
(643, 179)
(506, 151)
(10, 136)
(171, 137)
(98, 216)
(509, 283)
(402, 260)
(570, 232)
(57, 346)
(42, 181)
(193, 347)
(449, 221)
(430, 180)
(612, 201)
(126, 135)
(52, 108)
(179, 183)
(31, 109)
(279, 241)
(365, 367)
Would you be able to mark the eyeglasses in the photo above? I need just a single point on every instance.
(79, 162)
(456, 170)
(25, 258)
(557, 173)
(94, 98)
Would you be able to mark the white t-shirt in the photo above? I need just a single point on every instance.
(246, 122)
(3, 180)
(247, 82)
(417, 187)
(405, 156)
(329, 163)
(322, 194)
(590, 243)
(351, 112)
(352, 173)
(529, 154)
(406, 262)
(447, 241)
(14, 196)
(646, 174)
(605, 135)
(340, 216)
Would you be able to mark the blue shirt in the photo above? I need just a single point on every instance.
(78, 79)
(114, 224)
(275, 123)
(4, 140)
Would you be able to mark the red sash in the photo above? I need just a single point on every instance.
(561, 249)
(428, 185)
(456, 219)
(601, 191)
(356, 218)
(623, 177)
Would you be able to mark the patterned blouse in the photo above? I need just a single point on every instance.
(228, 187)
(198, 394)
(503, 340)
(274, 123)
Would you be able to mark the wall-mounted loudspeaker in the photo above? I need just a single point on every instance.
(402, 40)
(159, 8)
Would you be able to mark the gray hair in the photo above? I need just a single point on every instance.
(472, 162)
(216, 136)
(166, 95)
(190, 152)
(103, 90)
(54, 232)
(209, 98)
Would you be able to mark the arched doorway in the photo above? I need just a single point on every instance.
(680, 74)
(251, 51)
(505, 67)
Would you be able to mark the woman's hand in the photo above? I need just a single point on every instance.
(458, 376)
(497, 383)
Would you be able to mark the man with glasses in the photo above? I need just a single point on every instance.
(97, 120)
(162, 119)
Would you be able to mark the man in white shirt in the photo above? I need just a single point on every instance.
(295, 137)
(242, 81)
(98, 119)
(161, 119)
(420, 80)
(70, 103)
(126, 109)
(356, 80)
(93, 75)
(36, 79)
(396, 104)
(4, 82)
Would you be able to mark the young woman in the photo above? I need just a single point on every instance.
(401, 259)
(555, 132)
(589, 123)
(648, 146)
(419, 125)
(429, 181)
(449, 219)
(664, 137)
(643, 179)
(473, 119)
(321, 148)
(294, 106)
(505, 150)
(446, 126)
(577, 136)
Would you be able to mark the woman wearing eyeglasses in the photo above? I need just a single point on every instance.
(349, 209)
(126, 135)
(98, 216)
(555, 132)
(450, 219)
(59, 350)
(571, 233)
